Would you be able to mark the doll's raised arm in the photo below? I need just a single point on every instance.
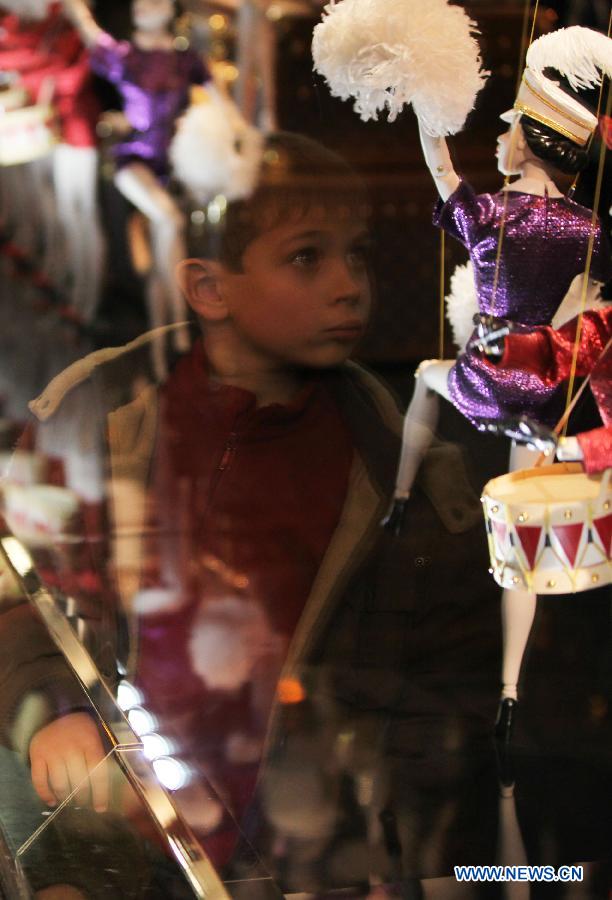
(439, 163)
(80, 15)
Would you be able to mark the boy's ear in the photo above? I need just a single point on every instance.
(199, 280)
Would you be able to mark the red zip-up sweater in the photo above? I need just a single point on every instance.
(243, 505)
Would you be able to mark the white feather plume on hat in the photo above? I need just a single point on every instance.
(580, 54)
(387, 54)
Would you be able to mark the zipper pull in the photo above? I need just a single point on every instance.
(228, 451)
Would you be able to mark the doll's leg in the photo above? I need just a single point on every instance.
(421, 420)
(75, 173)
(518, 613)
(419, 425)
(51, 259)
(139, 184)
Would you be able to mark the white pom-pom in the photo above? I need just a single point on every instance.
(387, 54)
(215, 151)
(462, 304)
(580, 54)
(28, 9)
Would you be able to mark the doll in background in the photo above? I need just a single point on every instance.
(154, 79)
(45, 52)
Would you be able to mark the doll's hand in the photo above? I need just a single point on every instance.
(525, 431)
(394, 520)
(490, 335)
(68, 754)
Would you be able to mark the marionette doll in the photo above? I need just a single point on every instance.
(549, 129)
(523, 276)
(46, 54)
(549, 354)
(154, 79)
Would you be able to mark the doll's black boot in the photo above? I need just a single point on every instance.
(395, 518)
(506, 717)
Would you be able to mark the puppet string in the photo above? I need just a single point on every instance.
(442, 281)
(502, 229)
(572, 189)
(585, 280)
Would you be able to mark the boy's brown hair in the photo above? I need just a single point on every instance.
(296, 175)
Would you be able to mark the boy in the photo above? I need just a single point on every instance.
(245, 496)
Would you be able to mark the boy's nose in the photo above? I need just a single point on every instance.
(347, 286)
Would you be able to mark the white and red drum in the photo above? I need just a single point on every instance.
(14, 97)
(26, 134)
(550, 529)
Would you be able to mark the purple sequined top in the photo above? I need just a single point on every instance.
(154, 86)
(544, 247)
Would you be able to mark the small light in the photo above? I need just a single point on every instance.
(181, 43)
(607, 504)
(515, 579)
(214, 213)
(172, 773)
(217, 22)
(567, 514)
(18, 556)
(221, 202)
(156, 745)
(551, 584)
(523, 517)
(198, 217)
(141, 721)
(128, 696)
(271, 157)
(594, 579)
(495, 509)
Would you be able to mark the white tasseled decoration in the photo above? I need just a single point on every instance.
(213, 152)
(387, 54)
(462, 304)
(580, 54)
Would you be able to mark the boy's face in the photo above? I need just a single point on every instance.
(303, 296)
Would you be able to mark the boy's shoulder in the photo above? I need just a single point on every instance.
(118, 371)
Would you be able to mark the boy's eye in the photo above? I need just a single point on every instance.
(306, 256)
(359, 255)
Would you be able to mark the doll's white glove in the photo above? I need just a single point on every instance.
(439, 162)
(569, 449)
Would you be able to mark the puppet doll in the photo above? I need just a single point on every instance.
(520, 272)
(533, 273)
(46, 54)
(154, 79)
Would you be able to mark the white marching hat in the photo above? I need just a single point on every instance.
(581, 56)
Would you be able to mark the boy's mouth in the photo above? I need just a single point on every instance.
(348, 331)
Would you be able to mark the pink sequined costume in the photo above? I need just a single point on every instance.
(154, 86)
(544, 247)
